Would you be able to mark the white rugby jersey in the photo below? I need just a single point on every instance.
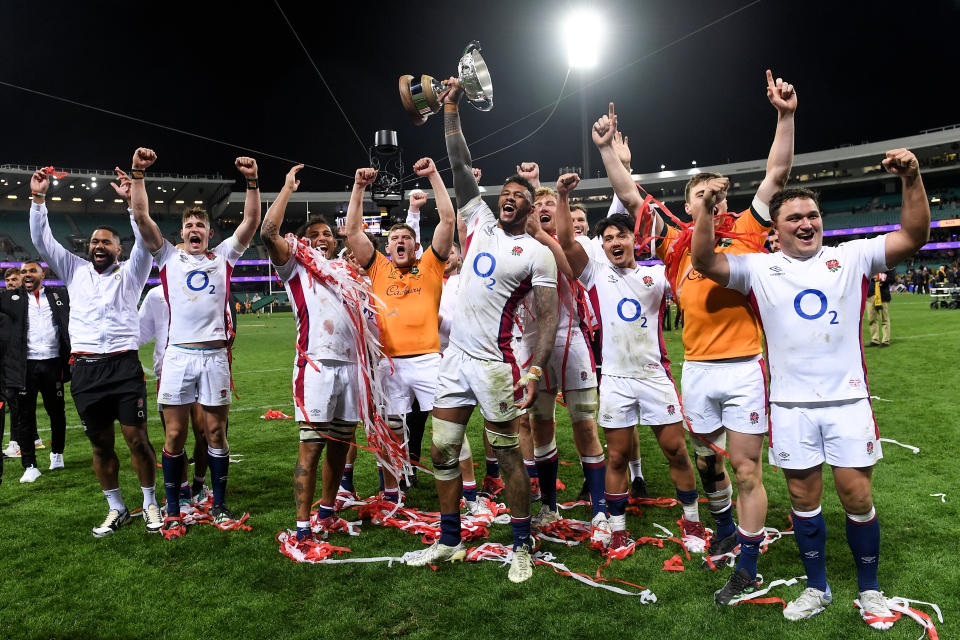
(323, 326)
(811, 312)
(567, 303)
(197, 289)
(103, 306)
(448, 307)
(498, 271)
(630, 303)
(154, 320)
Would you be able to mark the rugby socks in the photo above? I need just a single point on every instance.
(493, 468)
(721, 509)
(149, 496)
(595, 471)
(380, 475)
(470, 491)
(450, 529)
(617, 506)
(392, 495)
(749, 550)
(114, 501)
(636, 469)
(810, 531)
(185, 491)
(324, 511)
(347, 480)
(688, 500)
(863, 536)
(172, 464)
(521, 531)
(219, 462)
(416, 424)
(197, 488)
(303, 530)
(548, 464)
(531, 468)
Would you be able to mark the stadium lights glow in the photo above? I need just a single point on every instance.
(71, 186)
(198, 202)
(56, 183)
(12, 196)
(98, 199)
(663, 167)
(77, 199)
(158, 202)
(178, 201)
(582, 33)
(118, 201)
(56, 198)
(694, 163)
(934, 200)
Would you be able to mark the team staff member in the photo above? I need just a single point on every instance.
(37, 361)
(108, 383)
(810, 299)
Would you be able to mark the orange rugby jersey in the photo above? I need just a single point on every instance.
(410, 321)
(718, 322)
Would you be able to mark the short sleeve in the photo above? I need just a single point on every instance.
(287, 269)
(670, 234)
(740, 279)
(586, 278)
(870, 253)
(231, 249)
(377, 265)
(164, 253)
(476, 212)
(544, 269)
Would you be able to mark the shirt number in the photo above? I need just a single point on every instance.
(821, 309)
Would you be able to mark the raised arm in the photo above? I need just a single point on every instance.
(530, 171)
(464, 183)
(277, 247)
(142, 159)
(605, 137)
(914, 231)
(358, 241)
(251, 207)
(62, 261)
(418, 198)
(574, 255)
(702, 246)
(783, 97)
(443, 235)
(534, 229)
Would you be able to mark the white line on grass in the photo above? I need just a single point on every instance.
(928, 335)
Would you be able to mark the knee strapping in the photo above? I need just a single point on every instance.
(336, 430)
(544, 452)
(719, 500)
(447, 438)
(544, 407)
(502, 441)
(465, 452)
(397, 428)
(581, 404)
(709, 475)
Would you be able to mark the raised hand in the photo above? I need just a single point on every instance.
(39, 182)
(604, 128)
(532, 225)
(143, 158)
(621, 145)
(290, 182)
(899, 162)
(365, 176)
(248, 167)
(453, 91)
(529, 170)
(476, 174)
(122, 186)
(418, 198)
(781, 94)
(712, 191)
(567, 183)
(424, 167)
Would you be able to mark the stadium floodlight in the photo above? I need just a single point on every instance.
(582, 33)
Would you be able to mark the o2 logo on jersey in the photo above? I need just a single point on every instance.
(821, 306)
(199, 280)
(488, 263)
(629, 311)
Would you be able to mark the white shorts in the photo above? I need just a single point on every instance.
(841, 433)
(194, 375)
(465, 381)
(580, 372)
(725, 394)
(412, 378)
(326, 395)
(625, 402)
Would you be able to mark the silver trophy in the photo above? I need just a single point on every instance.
(421, 99)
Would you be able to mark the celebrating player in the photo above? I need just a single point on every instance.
(501, 265)
(196, 366)
(810, 299)
(108, 383)
(724, 382)
(637, 385)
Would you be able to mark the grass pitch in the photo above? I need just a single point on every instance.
(57, 580)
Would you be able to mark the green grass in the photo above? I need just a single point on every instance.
(58, 581)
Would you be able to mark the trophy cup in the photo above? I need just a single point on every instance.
(421, 99)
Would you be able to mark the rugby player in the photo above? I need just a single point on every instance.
(724, 378)
(502, 263)
(196, 365)
(637, 384)
(107, 382)
(810, 299)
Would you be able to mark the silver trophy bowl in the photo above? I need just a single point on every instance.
(421, 99)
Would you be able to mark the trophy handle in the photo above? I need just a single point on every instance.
(431, 88)
(473, 46)
(409, 106)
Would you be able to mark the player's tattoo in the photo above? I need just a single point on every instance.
(464, 183)
(451, 123)
(299, 489)
(546, 304)
(269, 229)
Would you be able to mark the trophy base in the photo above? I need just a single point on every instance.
(419, 98)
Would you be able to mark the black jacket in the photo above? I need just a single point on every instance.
(13, 305)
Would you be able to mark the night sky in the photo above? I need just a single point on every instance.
(235, 72)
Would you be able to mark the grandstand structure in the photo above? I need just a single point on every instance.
(858, 199)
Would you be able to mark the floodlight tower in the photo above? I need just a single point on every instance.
(386, 157)
(583, 32)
